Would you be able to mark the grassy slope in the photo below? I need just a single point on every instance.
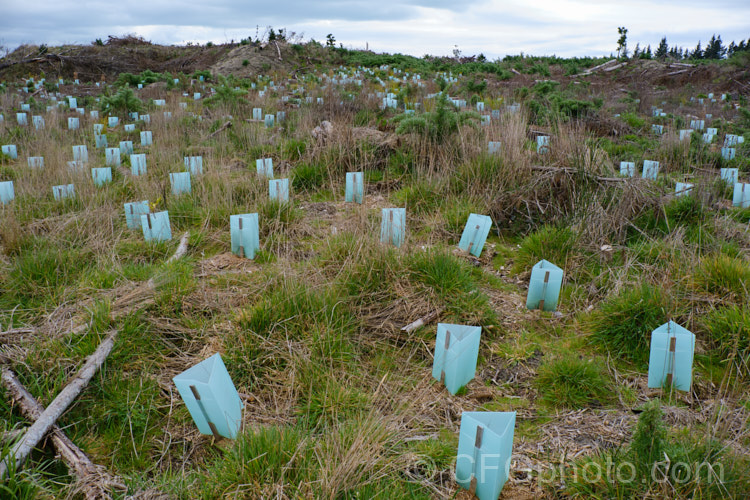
(338, 401)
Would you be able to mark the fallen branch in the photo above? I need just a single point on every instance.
(677, 72)
(422, 321)
(571, 170)
(94, 481)
(181, 248)
(49, 416)
(612, 68)
(278, 50)
(18, 331)
(220, 129)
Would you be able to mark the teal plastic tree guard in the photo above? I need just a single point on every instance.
(138, 164)
(167, 115)
(133, 115)
(730, 140)
(112, 156)
(730, 175)
(101, 175)
(685, 134)
(683, 189)
(146, 138)
(544, 286)
(72, 102)
(35, 161)
(657, 129)
(278, 189)
(542, 144)
(708, 138)
(196, 96)
(741, 195)
(146, 118)
(485, 448)
(456, 351)
(712, 131)
(113, 121)
(63, 191)
(133, 212)
(480, 106)
(129, 127)
(627, 168)
(156, 226)
(73, 123)
(98, 128)
(393, 226)
(671, 361)
(38, 122)
(180, 182)
(728, 153)
(280, 116)
(126, 147)
(355, 187)
(10, 150)
(245, 237)
(6, 192)
(22, 119)
(81, 153)
(264, 166)
(475, 234)
(495, 114)
(160, 102)
(193, 164)
(101, 141)
(94, 114)
(211, 398)
(697, 124)
(257, 113)
(485, 118)
(493, 147)
(650, 169)
(76, 166)
(25, 107)
(268, 121)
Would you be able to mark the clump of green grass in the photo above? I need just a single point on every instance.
(372, 277)
(263, 456)
(420, 197)
(728, 329)
(273, 213)
(657, 464)
(326, 398)
(309, 176)
(442, 272)
(571, 382)
(727, 277)
(624, 322)
(317, 322)
(454, 282)
(554, 244)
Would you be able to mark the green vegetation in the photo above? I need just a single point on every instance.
(338, 397)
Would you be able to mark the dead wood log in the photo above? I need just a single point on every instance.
(278, 50)
(49, 416)
(220, 129)
(181, 248)
(422, 321)
(94, 481)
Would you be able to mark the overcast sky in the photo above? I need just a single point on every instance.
(418, 27)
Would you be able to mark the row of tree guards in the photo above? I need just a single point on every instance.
(485, 438)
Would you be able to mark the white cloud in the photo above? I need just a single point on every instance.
(417, 27)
